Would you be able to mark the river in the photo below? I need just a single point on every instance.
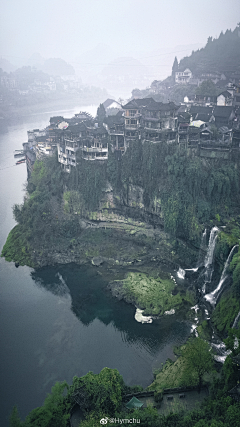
(61, 321)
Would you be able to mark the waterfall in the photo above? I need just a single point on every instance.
(235, 323)
(202, 250)
(201, 254)
(209, 257)
(210, 251)
(181, 273)
(212, 297)
(221, 351)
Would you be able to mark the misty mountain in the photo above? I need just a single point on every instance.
(125, 71)
(219, 55)
(159, 61)
(91, 62)
(57, 67)
(7, 66)
(36, 60)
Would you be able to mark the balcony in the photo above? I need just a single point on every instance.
(151, 129)
(93, 156)
(116, 132)
(71, 149)
(151, 119)
(132, 127)
(132, 116)
(95, 150)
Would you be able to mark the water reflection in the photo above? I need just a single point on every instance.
(91, 300)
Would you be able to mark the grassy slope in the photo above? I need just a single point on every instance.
(152, 294)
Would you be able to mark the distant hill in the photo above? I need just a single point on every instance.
(7, 66)
(57, 67)
(219, 55)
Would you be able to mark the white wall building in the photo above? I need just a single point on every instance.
(183, 77)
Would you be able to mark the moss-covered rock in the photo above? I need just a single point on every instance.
(205, 330)
(225, 311)
(153, 294)
(17, 248)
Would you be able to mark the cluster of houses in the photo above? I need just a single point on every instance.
(67, 83)
(83, 136)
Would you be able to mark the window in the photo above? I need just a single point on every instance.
(132, 113)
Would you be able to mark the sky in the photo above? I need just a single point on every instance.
(150, 31)
(67, 28)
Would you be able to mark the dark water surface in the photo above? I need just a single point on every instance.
(61, 321)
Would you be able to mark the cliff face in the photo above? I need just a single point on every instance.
(153, 203)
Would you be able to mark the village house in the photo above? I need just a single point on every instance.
(114, 125)
(132, 115)
(159, 121)
(69, 145)
(149, 120)
(236, 101)
(223, 116)
(214, 77)
(183, 77)
(225, 98)
(95, 146)
(205, 100)
(111, 106)
(199, 112)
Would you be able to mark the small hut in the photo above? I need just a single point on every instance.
(134, 403)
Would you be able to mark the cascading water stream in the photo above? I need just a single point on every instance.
(212, 297)
(202, 250)
(220, 349)
(235, 323)
(200, 261)
(205, 258)
(209, 257)
(181, 273)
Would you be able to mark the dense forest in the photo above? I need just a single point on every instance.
(219, 55)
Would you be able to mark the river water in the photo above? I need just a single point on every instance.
(61, 321)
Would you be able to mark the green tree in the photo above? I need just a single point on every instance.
(174, 68)
(15, 420)
(101, 113)
(102, 392)
(207, 88)
(55, 410)
(198, 360)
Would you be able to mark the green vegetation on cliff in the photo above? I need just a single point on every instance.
(154, 295)
(185, 190)
(189, 369)
(226, 311)
(220, 54)
(177, 189)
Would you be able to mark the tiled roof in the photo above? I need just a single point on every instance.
(200, 109)
(226, 94)
(203, 116)
(222, 111)
(77, 127)
(150, 104)
(137, 103)
(108, 102)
